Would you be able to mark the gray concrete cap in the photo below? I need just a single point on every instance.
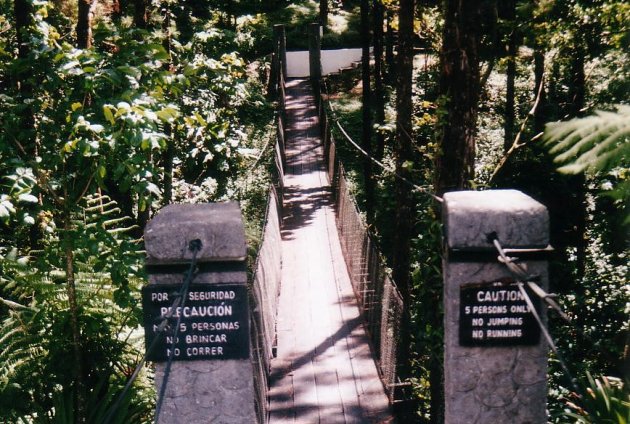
(219, 226)
(469, 216)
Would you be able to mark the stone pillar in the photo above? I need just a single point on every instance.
(495, 357)
(211, 378)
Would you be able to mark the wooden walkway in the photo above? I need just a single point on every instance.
(324, 371)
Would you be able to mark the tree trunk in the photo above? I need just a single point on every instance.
(510, 112)
(403, 148)
(323, 14)
(496, 46)
(577, 88)
(403, 152)
(366, 108)
(27, 135)
(539, 72)
(77, 351)
(379, 91)
(167, 158)
(22, 14)
(459, 86)
(118, 8)
(509, 116)
(169, 153)
(140, 13)
(389, 48)
(84, 23)
(577, 184)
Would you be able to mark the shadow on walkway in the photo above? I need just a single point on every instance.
(324, 371)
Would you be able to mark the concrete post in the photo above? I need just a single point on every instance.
(211, 378)
(495, 359)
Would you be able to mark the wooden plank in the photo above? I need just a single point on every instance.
(324, 371)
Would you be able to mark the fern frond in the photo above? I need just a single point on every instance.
(20, 347)
(10, 303)
(597, 143)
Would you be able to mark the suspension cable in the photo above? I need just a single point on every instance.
(524, 278)
(195, 247)
(180, 299)
(376, 161)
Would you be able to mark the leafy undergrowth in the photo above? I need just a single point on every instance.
(597, 302)
(342, 28)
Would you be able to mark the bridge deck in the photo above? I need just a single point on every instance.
(324, 371)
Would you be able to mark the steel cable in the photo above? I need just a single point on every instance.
(180, 298)
(523, 277)
(195, 247)
(376, 161)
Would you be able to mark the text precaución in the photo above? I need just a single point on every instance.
(213, 322)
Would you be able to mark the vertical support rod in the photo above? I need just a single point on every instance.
(274, 72)
(314, 47)
(282, 48)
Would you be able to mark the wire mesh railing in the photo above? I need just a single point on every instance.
(265, 286)
(379, 299)
(264, 293)
(381, 303)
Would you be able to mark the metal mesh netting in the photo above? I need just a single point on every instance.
(392, 311)
(381, 303)
(264, 302)
(265, 287)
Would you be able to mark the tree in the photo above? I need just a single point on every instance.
(389, 46)
(403, 148)
(140, 13)
(367, 107)
(379, 89)
(403, 154)
(323, 14)
(84, 23)
(23, 21)
(459, 90)
(512, 49)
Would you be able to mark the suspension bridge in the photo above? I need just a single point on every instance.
(324, 317)
(324, 370)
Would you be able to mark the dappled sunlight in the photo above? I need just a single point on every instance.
(338, 22)
(324, 370)
(301, 10)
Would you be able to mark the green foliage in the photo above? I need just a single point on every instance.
(103, 113)
(599, 142)
(342, 32)
(84, 143)
(35, 370)
(296, 16)
(606, 401)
